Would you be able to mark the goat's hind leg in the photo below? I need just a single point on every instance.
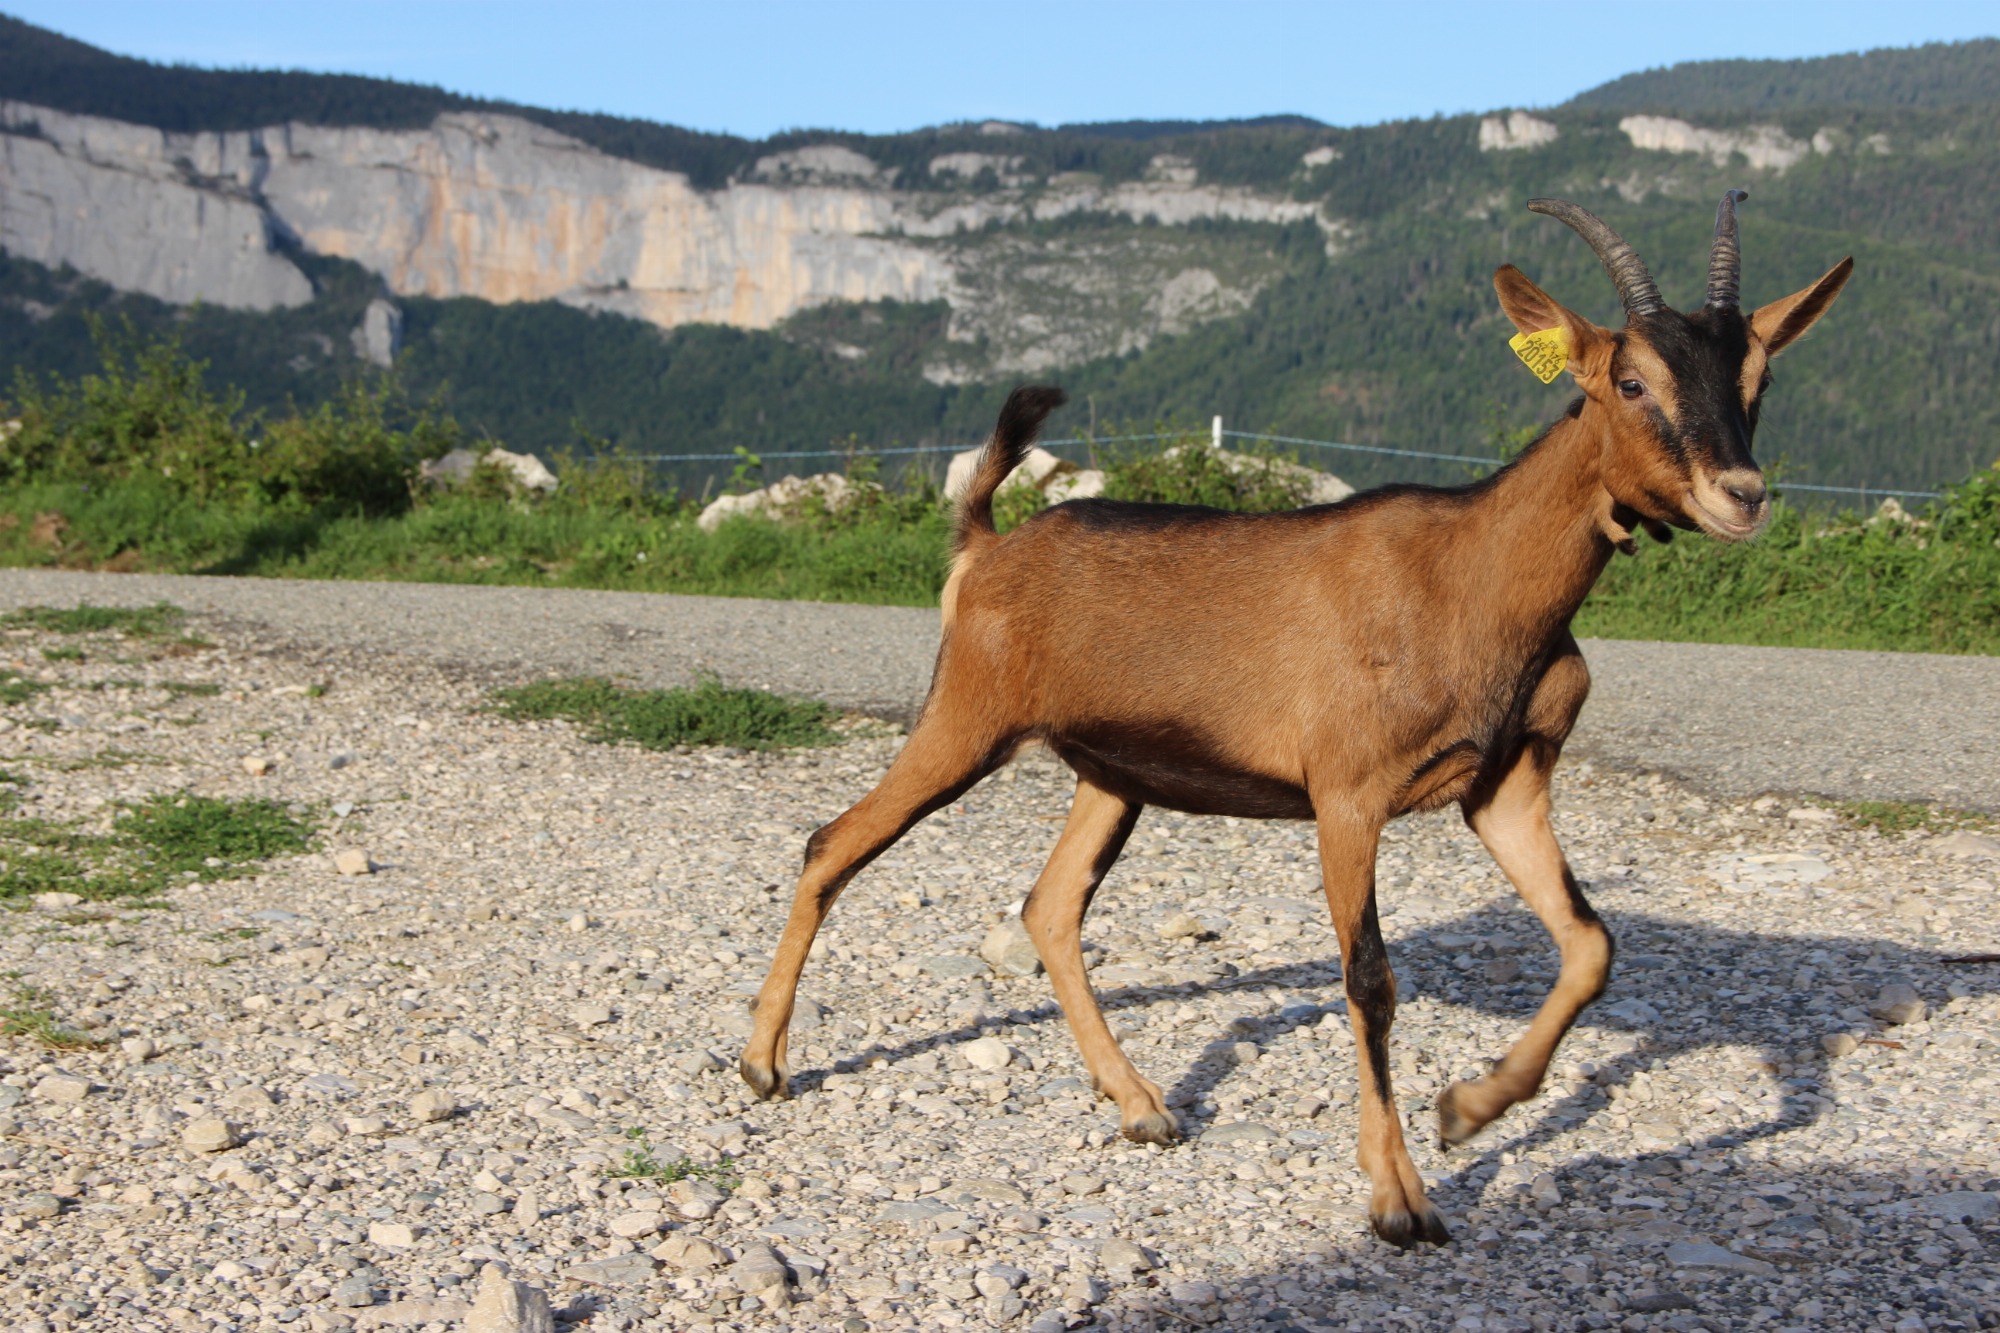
(1514, 825)
(1099, 823)
(934, 769)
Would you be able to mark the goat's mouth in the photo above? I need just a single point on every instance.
(1746, 521)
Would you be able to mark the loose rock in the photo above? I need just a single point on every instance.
(211, 1134)
(507, 1306)
(1009, 950)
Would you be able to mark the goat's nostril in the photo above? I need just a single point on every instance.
(1749, 491)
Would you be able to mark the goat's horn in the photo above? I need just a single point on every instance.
(1725, 261)
(1636, 287)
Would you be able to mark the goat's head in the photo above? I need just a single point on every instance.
(1680, 393)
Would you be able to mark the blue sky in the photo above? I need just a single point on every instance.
(756, 66)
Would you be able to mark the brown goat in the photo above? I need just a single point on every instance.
(1349, 663)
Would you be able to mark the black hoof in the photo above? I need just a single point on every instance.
(768, 1084)
(1403, 1230)
(1154, 1127)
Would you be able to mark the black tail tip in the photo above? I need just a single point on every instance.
(1026, 408)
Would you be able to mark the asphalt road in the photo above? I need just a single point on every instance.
(1735, 721)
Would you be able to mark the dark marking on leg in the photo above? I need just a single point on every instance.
(1371, 988)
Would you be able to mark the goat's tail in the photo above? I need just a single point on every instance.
(1015, 433)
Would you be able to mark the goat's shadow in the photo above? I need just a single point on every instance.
(1694, 964)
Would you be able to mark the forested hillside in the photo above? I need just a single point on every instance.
(1377, 326)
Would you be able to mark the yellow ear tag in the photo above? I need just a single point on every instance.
(1545, 353)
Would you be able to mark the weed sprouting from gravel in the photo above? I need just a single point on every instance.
(145, 622)
(149, 846)
(186, 832)
(26, 1016)
(640, 1164)
(16, 688)
(709, 713)
(1902, 816)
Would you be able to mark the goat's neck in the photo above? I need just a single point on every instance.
(1540, 536)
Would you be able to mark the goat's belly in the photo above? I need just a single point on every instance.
(1179, 773)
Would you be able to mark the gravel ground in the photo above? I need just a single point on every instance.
(429, 1074)
(1733, 721)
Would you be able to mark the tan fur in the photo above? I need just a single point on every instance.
(1345, 664)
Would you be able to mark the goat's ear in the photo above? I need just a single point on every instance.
(1784, 320)
(1533, 310)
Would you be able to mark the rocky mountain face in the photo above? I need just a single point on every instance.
(827, 289)
(502, 209)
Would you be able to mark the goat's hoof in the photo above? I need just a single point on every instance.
(1454, 1125)
(1154, 1127)
(1404, 1229)
(770, 1084)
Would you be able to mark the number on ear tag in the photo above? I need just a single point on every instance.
(1545, 353)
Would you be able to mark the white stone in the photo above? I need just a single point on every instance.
(392, 1235)
(352, 861)
(634, 1226)
(691, 1253)
(987, 1053)
(211, 1134)
(432, 1105)
(506, 1306)
(60, 1087)
(787, 499)
(1967, 844)
(1009, 951)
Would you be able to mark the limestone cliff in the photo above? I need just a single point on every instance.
(499, 208)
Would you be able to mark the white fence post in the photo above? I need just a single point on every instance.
(1218, 433)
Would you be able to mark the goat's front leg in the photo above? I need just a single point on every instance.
(1514, 825)
(1099, 824)
(1399, 1212)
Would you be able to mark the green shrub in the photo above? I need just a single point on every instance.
(1192, 471)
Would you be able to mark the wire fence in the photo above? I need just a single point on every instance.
(1217, 434)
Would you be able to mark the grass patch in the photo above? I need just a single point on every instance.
(25, 1016)
(709, 713)
(639, 1163)
(65, 654)
(186, 832)
(150, 846)
(112, 758)
(1903, 816)
(146, 622)
(16, 688)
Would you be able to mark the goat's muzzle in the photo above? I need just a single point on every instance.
(1733, 505)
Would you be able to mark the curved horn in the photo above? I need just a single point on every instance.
(1636, 287)
(1725, 261)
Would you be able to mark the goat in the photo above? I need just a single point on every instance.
(1401, 650)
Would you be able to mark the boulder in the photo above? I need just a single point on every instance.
(526, 471)
(1038, 469)
(786, 499)
(1322, 488)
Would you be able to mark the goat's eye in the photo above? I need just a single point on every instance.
(1764, 383)
(1631, 388)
